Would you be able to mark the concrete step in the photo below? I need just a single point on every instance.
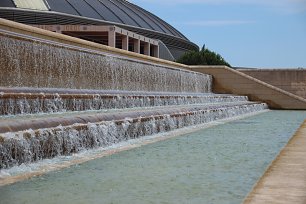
(14, 101)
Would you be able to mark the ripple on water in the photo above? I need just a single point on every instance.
(214, 165)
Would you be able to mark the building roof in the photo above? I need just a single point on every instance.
(121, 13)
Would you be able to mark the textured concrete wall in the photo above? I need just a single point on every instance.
(227, 80)
(291, 80)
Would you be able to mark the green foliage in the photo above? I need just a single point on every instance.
(202, 57)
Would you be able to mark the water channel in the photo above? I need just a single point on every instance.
(213, 165)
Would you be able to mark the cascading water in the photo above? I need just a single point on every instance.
(23, 103)
(58, 99)
(29, 145)
(30, 62)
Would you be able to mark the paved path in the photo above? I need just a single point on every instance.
(284, 182)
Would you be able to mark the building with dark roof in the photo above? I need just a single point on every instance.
(131, 20)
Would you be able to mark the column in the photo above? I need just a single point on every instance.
(125, 42)
(137, 46)
(156, 51)
(147, 48)
(112, 37)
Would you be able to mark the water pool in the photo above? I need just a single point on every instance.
(215, 165)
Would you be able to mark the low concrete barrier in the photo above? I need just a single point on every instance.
(227, 80)
(291, 80)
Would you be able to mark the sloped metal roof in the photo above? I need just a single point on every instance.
(119, 11)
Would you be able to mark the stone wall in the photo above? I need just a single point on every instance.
(291, 80)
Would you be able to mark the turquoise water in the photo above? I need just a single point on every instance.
(215, 165)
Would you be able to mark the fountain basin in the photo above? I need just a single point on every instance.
(214, 165)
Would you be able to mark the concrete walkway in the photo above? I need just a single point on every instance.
(284, 182)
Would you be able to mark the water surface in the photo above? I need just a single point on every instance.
(214, 165)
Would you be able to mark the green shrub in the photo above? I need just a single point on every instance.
(202, 57)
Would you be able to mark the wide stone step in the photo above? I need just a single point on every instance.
(31, 101)
(25, 140)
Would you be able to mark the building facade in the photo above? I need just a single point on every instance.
(117, 23)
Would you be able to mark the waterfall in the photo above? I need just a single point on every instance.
(33, 145)
(30, 103)
(30, 62)
(58, 99)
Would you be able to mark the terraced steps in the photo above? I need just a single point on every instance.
(29, 138)
(33, 101)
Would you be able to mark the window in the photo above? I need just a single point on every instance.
(31, 4)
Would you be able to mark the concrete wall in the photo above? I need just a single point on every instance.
(227, 80)
(291, 80)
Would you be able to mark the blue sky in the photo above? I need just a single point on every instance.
(247, 33)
